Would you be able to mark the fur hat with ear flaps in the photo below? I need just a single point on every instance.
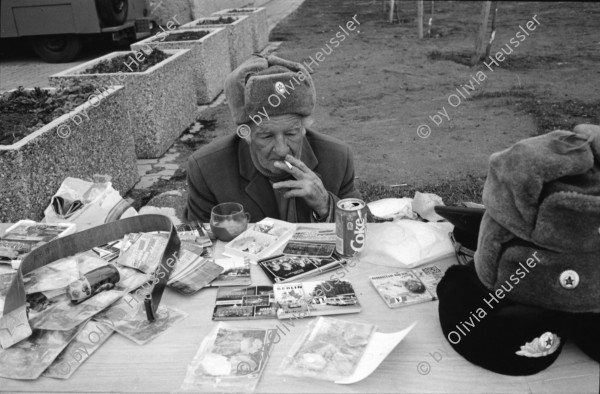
(535, 280)
(262, 87)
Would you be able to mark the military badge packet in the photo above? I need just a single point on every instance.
(230, 359)
(328, 349)
(309, 249)
(408, 287)
(239, 303)
(284, 269)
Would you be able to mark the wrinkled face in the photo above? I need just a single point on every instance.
(275, 138)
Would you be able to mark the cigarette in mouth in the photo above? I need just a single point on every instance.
(287, 163)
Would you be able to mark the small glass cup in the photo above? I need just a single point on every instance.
(228, 220)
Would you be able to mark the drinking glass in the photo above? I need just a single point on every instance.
(228, 220)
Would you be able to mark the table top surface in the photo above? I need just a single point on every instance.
(423, 362)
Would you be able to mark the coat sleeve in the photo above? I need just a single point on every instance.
(200, 198)
(347, 189)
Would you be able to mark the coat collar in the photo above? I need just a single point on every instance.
(259, 188)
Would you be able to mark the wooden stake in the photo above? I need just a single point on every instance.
(420, 18)
(430, 21)
(480, 40)
(493, 34)
(391, 11)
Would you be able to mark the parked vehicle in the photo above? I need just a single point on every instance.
(56, 28)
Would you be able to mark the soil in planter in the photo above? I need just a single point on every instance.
(24, 111)
(121, 63)
(186, 36)
(223, 20)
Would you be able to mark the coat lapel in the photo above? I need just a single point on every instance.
(258, 188)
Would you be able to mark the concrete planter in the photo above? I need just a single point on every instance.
(239, 35)
(210, 59)
(94, 138)
(260, 24)
(160, 102)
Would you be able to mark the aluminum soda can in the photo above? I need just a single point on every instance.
(350, 226)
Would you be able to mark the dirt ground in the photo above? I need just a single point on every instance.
(379, 85)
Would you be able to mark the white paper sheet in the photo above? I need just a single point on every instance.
(379, 347)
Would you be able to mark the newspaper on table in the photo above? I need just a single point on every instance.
(128, 318)
(230, 359)
(87, 341)
(30, 357)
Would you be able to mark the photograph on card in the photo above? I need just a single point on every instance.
(314, 235)
(239, 303)
(236, 272)
(284, 269)
(309, 249)
(315, 298)
(401, 288)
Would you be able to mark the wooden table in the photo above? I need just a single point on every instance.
(423, 362)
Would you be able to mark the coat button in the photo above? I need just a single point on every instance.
(569, 279)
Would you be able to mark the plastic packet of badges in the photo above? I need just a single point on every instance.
(230, 359)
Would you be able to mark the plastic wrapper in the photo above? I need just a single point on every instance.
(5, 281)
(423, 204)
(64, 315)
(407, 243)
(329, 349)
(128, 318)
(229, 360)
(87, 341)
(56, 275)
(30, 357)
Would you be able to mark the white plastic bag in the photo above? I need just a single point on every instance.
(407, 243)
(87, 204)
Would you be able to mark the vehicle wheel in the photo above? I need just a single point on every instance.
(61, 48)
(112, 12)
